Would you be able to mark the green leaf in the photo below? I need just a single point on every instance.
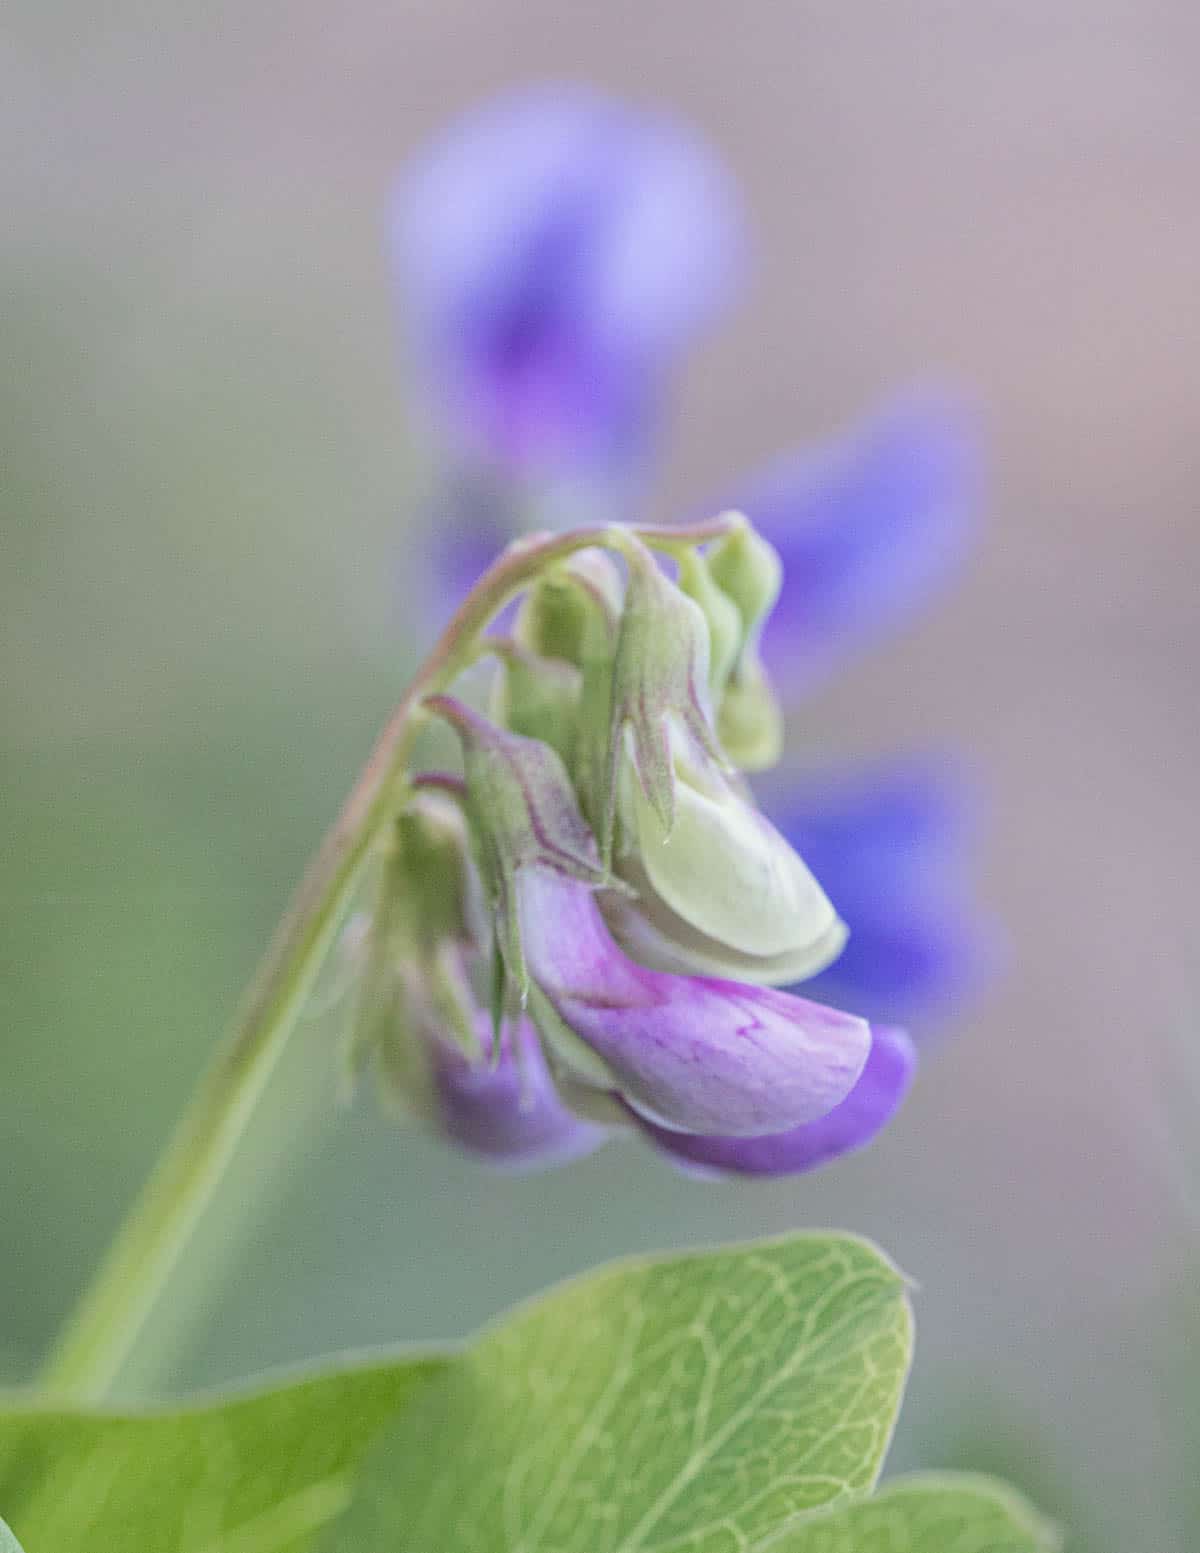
(252, 1473)
(8, 1543)
(930, 1513)
(696, 1402)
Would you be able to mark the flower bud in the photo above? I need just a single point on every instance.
(573, 611)
(536, 697)
(414, 988)
(749, 722)
(505, 1108)
(721, 614)
(748, 569)
(660, 692)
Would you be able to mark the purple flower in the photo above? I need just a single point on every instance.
(690, 1053)
(867, 528)
(503, 1105)
(586, 1029)
(555, 253)
(864, 1112)
(691, 1048)
(890, 844)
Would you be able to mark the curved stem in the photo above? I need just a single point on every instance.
(93, 1345)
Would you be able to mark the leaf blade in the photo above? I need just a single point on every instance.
(692, 1403)
(946, 1512)
(254, 1472)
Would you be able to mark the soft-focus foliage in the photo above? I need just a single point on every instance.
(678, 1400)
(259, 1470)
(698, 1401)
(929, 1513)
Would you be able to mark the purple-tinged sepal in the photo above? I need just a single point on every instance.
(523, 813)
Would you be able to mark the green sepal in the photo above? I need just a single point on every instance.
(573, 611)
(749, 719)
(536, 697)
(747, 568)
(426, 922)
(722, 615)
(660, 686)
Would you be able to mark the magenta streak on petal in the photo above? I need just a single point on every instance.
(694, 1054)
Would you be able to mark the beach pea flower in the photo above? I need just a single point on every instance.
(565, 946)
(555, 252)
(682, 1052)
(689, 1053)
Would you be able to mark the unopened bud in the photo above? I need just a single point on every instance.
(536, 697)
(749, 721)
(414, 989)
(573, 611)
(748, 569)
(722, 615)
(659, 687)
(749, 572)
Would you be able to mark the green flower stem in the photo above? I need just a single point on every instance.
(90, 1351)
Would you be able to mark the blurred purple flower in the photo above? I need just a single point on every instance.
(555, 253)
(890, 844)
(867, 527)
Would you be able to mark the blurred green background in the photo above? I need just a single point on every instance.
(202, 519)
